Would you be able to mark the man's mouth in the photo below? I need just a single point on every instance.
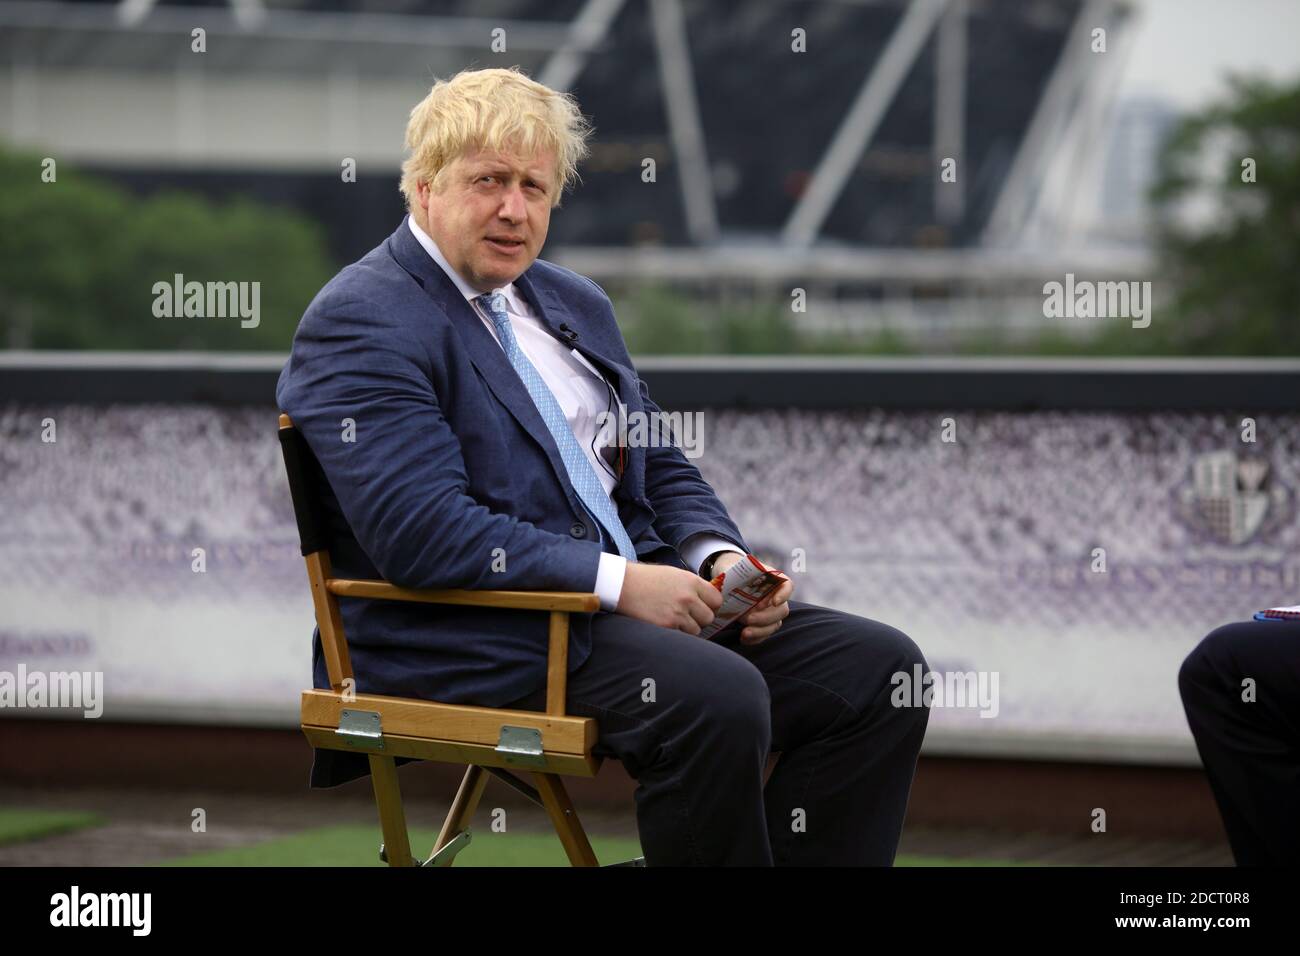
(505, 245)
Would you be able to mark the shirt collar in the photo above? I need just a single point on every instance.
(468, 291)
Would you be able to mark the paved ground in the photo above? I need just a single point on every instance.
(145, 827)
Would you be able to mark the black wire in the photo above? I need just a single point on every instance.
(611, 395)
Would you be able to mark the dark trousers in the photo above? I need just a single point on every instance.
(1251, 749)
(693, 722)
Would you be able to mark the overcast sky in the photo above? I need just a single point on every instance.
(1182, 48)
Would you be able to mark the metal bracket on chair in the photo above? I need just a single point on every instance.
(361, 728)
(514, 783)
(448, 853)
(522, 746)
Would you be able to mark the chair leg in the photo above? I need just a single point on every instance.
(565, 819)
(392, 818)
(463, 807)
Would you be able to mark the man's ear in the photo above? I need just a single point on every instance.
(423, 193)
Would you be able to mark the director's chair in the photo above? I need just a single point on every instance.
(489, 740)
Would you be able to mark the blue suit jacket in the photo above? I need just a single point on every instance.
(451, 461)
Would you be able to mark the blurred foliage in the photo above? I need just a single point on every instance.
(79, 258)
(655, 320)
(1237, 285)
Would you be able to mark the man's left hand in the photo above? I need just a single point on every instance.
(764, 618)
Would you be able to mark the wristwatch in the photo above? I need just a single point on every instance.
(706, 569)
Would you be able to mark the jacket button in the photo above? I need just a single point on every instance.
(578, 530)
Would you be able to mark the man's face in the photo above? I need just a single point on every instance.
(491, 217)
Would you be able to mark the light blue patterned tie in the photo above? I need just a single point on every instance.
(583, 476)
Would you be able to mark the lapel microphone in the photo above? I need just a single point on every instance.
(569, 335)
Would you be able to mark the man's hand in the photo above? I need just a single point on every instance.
(764, 618)
(668, 596)
(724, 561)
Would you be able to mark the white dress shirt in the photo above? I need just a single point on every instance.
(583, 394)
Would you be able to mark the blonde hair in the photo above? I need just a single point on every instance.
(501, 110)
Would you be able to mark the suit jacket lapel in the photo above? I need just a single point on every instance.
(491, 361)
(554, 312)
(488, 356)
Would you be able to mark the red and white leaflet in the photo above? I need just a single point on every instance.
(743, 585)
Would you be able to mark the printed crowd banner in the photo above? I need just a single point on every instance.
(1055, 568)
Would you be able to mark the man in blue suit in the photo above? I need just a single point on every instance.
(451, 384)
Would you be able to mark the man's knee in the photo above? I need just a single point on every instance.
(737, 696)
(905, 651)
(1206, 665)
(909, 660)
(879, 656)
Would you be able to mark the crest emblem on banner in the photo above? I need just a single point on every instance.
(1227, 496)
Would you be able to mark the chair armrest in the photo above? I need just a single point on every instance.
(519, 600)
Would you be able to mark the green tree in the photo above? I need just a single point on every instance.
(1237, 285)
(79, 258)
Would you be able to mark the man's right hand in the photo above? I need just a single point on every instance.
(668, 596)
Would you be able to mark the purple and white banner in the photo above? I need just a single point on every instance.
(1064, 563)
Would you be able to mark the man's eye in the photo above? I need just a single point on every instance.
(482, 178)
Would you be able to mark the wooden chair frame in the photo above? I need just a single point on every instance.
(488, 740)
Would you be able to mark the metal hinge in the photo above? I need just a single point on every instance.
(360, 728)
(447, 854)
(522, 746)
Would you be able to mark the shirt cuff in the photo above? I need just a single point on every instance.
(609, 579)
(696, 548)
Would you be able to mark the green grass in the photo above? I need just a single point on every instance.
(359, 846)
(18, 824)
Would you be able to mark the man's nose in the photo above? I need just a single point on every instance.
(513, 207)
